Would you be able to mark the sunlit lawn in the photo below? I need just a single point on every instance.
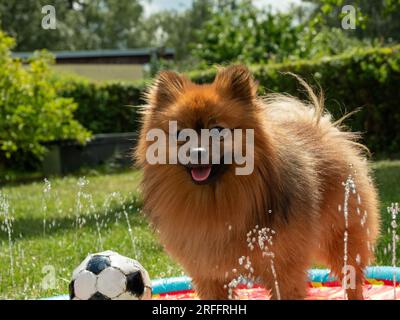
(55, 230)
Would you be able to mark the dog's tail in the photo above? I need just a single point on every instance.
(318, 102)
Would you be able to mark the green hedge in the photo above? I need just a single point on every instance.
(366, 78)
(104, 107)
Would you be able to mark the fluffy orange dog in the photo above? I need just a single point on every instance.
(218, 224)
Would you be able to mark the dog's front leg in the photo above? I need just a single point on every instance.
(210, 289)
(286, 282)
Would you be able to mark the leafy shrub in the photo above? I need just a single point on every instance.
(31, 113)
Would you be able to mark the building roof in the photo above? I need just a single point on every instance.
(99, 53)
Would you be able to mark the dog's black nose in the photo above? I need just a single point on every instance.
(198, 155)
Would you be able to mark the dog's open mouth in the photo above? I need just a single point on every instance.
(204, 174)
(200, 174)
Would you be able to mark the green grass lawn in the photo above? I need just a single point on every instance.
(53, 231)
(103, 204)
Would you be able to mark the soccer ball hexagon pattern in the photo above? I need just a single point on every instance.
(109, 276)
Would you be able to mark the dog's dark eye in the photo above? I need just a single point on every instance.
(219, 129)
(178, 132)
(218, 132)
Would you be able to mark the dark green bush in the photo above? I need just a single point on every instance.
(104, 107)
(364, 78)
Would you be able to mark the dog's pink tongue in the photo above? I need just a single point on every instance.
(200, 173)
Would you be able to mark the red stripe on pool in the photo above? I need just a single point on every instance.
(373, 290)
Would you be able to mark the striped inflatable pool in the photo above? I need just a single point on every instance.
(379, 285)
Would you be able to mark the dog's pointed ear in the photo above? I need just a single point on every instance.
(237, 82)
(166, 89)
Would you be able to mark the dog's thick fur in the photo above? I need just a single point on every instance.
(302, 159)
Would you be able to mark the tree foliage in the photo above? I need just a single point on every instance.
(241, 32)
(210, 31)
(378, 19)
(81, 24)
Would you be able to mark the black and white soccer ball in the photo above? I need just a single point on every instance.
(109, 276)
